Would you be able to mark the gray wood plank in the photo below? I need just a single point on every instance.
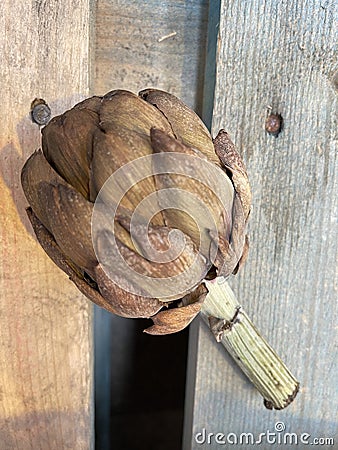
(45, 322)
(210, 62)
(151, 44)
(279, 57)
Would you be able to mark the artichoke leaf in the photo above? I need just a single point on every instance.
(48, 243)
(75, 274)
(230, 252)
(124, 300)
(67, 145)
(225, 150)
(244, 255)
(124, 109)
(188, 202)
(112, 151)
(125, 304)
(37, 170)
(157, 243)
(174, 320)
(70, 219)
(91, 104)
(168, 280)
(185, 123)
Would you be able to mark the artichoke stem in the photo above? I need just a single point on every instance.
(232, 327)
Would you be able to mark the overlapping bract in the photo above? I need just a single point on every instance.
(82, 148)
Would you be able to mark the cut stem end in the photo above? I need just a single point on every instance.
(232, 327)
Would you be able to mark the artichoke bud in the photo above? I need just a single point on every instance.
(132, 198)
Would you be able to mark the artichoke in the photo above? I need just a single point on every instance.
(193, 190)
(146, 213)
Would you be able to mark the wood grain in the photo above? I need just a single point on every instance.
(45, 333)
(151, 44)
(131, 53)
(279, 57)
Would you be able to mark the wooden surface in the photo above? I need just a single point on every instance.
(139, 45)
(151, 44)
(279, 57)
(45, 323)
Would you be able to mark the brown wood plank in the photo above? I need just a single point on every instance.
(45, 334)
(279, 57)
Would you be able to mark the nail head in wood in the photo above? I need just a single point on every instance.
(274, 124)
(40, 112)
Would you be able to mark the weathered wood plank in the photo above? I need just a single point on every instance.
(151, 44)
(142, 44)
(280, 57)
(45, 334)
